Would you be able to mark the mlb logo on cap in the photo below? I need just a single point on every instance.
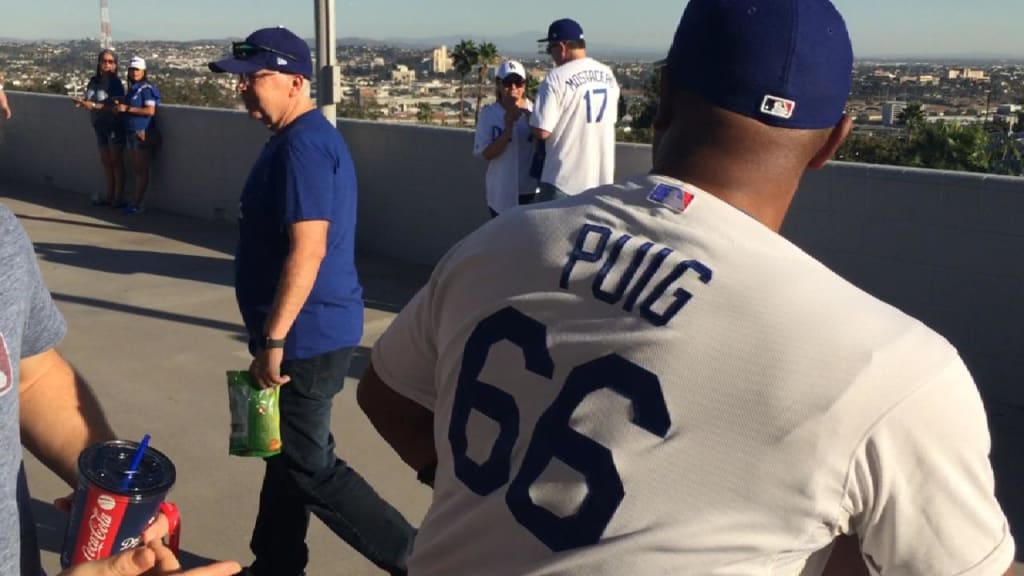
(775, 106)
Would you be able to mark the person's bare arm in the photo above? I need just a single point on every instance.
(60, 415)
(137, 110)
(5, 108)
(301, 266)
(541, 134)
(404, 424)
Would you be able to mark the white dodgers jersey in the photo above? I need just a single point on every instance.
(578, 103)
(508, 175)
(643, 380)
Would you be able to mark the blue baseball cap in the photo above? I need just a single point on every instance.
(785, 63)
(268, 49)
(564, 30)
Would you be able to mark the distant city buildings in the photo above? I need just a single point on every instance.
(967, 74)
(401, 74)
(441, 63)
(891, 112)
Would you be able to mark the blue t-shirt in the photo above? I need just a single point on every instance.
(140, 95)
(304, 172)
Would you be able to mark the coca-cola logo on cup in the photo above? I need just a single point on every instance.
(99, 527)
(106, 502)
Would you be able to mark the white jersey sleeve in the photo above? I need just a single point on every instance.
(487, 131)
(405, 356)
(922, 481)
(548, 108)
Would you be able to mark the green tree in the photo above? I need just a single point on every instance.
(464, 57)
(486, 54)
(912, 116)
(642, 109)
(945, 146)
(368, 110)
(1007, 155)
(873, 149)
(424, 113)
(532, 85)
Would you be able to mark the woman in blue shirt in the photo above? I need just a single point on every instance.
(102, 96)
(138, 111)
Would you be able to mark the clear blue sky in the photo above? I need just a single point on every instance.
(942, 27)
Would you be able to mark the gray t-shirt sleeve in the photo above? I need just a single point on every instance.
(44, 324)
(29, 324)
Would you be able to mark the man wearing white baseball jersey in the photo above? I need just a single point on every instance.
(648, 379)
(575, 115)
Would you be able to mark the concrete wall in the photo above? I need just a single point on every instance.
(946, 247)
(943, 246)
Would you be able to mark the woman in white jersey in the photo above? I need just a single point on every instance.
(503, 139)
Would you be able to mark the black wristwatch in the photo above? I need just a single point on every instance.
(269, 342)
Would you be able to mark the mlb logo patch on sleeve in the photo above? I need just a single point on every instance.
(673, 198)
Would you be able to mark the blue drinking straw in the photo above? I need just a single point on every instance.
(136, 460)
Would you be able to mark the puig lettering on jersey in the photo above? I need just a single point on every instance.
(585, 77)
(598, 253)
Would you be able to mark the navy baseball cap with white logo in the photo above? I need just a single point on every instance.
(268, 49)
(564, 30)
(786, 63)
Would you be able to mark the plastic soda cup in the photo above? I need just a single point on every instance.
(110, 511)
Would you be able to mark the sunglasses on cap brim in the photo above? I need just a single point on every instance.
(245, 50)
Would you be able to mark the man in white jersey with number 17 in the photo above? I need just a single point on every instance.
(574, 116)
(647, 379)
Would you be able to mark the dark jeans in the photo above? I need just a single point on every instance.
(548, 192)
(308, 477)
(524, 199)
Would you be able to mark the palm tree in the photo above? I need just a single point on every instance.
(486, 54)
(464, 57)
(912, 116)
(424, 113)
(532, 85)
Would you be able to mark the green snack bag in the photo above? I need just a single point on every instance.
(255, 417)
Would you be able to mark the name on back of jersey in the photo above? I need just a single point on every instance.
(585, 77)
(640, 275)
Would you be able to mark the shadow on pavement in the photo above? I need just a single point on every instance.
(126, 261)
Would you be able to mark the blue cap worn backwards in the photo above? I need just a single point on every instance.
(785, 63)
(268, 49)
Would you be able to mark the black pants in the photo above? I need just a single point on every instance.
(524, 199)
(308, 477)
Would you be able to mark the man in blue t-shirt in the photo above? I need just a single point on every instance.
(296, 285)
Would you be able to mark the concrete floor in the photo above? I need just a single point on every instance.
(153, 326)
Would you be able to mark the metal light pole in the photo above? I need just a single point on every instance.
(328, 76)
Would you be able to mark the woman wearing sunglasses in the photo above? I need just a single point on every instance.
(138, 111)
(503, 139)
(102, 96)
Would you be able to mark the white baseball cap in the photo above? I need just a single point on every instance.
(510, 67)
(137, 63)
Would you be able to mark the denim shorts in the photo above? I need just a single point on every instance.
(109, 136)
(131, 140)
